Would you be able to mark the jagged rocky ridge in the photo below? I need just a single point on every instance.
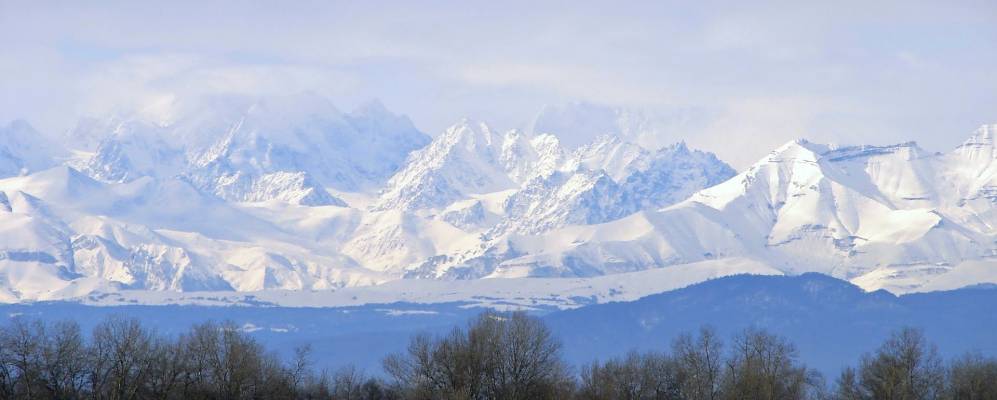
(248, 194)
(895, 217)
(287, 148)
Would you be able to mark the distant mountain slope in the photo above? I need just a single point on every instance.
(831, 321)
(466, 159)
(23, 150)
(235, 147)
(593, 189)
(247, 194)
(63, 234)
(894, 217)
(494, 186)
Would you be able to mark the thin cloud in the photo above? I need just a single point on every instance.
(834, 72)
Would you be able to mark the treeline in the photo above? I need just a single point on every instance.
(496, 356)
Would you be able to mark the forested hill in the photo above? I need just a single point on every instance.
(831, 321)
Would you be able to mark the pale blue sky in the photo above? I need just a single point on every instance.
(751, 76)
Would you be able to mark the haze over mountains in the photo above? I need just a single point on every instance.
(289, 193)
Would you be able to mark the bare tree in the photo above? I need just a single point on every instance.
(636, 377)
(300, 364)
(528, 364)
(124, 359)
(765, 367)
(972, 377)
(22, 343)
(64, 361)
(430, 367)
(848, 386)
(498, 356)
(699, 364)
(8, 374)
(905, 367)
(348, 384)
(169, 365)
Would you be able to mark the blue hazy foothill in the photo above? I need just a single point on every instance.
(832, 322)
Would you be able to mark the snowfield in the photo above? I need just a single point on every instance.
(288, 201)
(497, 293)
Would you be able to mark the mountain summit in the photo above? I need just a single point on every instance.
(289, 193)
(895, 217)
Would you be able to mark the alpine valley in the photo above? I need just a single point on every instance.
(289, 201)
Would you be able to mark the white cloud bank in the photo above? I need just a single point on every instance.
(755, 75)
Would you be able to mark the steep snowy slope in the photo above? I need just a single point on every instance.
(610, 153)
(466, 159)
(392, 240)
(237, 194)
(525, 157)
(672, 174)
(489, 186)
(470, 159)
(607, 180)
(288, 148)
(562, 198)
(65, 235)
(893, 217)
(23, 150)
(230, 194)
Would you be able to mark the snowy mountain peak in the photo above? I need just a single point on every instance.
(234, 146)
(525, 157)
(985, 133)
(609, 153)
(980, 146)
(584, 192)
(679, 147)
(465, 159)
(245, 194)
(471, 135)
(783, 174)
(24, 150)
(371, 108)
(290, 187)
(546, 141)
(602, 142)
(799, 149)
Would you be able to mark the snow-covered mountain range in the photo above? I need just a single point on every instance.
(290, 194)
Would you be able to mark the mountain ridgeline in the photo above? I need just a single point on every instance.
(289, 193)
